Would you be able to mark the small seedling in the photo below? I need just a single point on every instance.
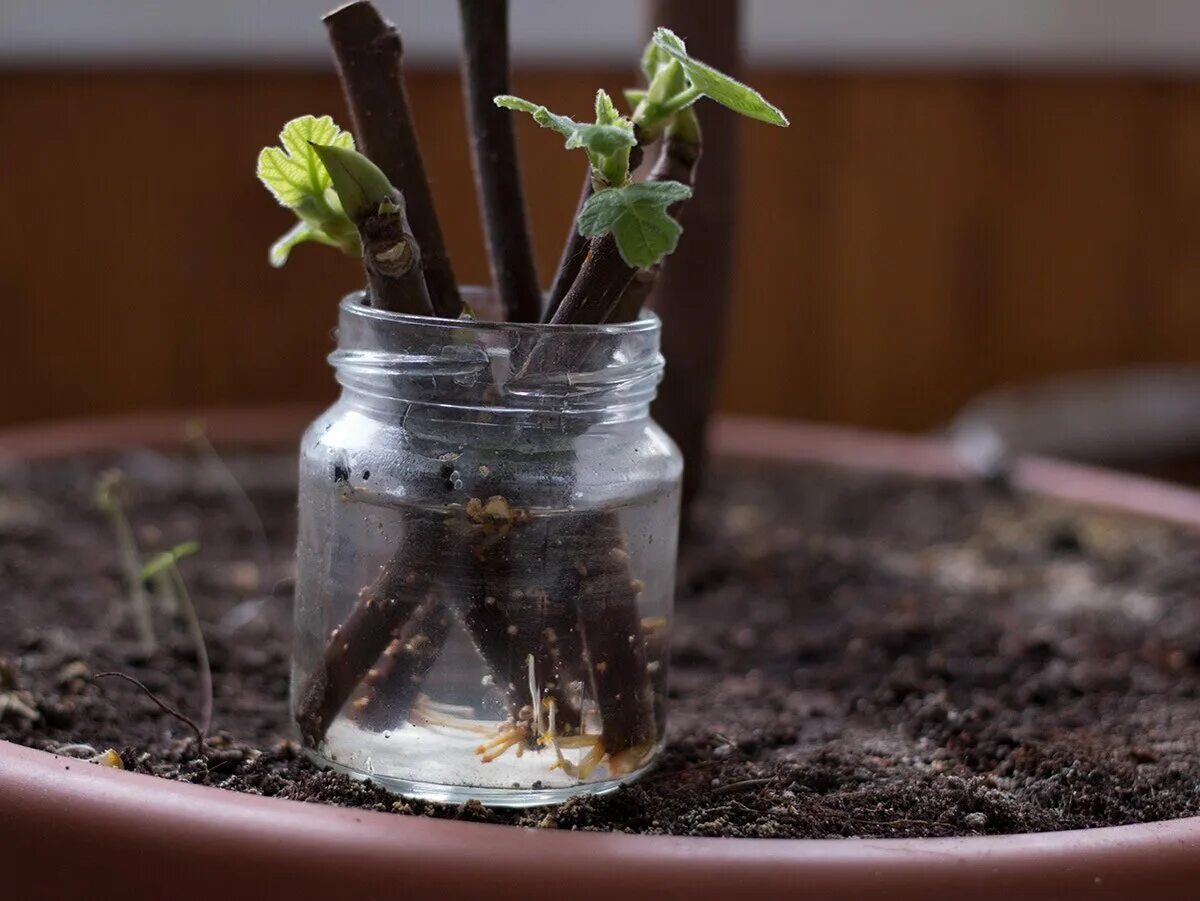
(163, 571)
(107, 496)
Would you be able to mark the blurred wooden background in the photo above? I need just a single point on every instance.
(910, 241)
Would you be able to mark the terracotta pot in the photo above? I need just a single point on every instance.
(69, 829)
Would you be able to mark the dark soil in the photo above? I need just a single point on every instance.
(855, 655)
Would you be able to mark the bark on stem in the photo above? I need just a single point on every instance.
(404, 583)
(577, 247)
(392, 260)
(494, 155)
(369, 57)
(574, 250)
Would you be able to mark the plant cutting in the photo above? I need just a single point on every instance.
(513, 593)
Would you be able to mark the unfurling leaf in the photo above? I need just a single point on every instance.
(361, 186)
(602, 139)
(299, 233)
(296, 172)
(717, 86)
(298, 179)
(165, 560)
(637, 217)
(606, 113)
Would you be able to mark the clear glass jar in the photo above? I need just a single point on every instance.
(486, 562)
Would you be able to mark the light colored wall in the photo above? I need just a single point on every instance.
(843, 33)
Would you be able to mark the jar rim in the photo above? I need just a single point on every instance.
(352, 303)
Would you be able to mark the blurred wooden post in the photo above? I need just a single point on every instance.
(694, 291)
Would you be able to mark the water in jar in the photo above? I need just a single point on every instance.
(507, 653)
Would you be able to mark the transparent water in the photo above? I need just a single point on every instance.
(570, 608)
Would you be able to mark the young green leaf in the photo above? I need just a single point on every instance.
(299, 233)
(165, 560)
(717, 86)
(651, 57)
(298, 179)
(637, 217)
(604, 139)
(361, 186)
(606, 112)
(296, 172)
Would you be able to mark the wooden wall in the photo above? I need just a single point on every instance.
(910, 241)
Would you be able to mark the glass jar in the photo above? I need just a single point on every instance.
(486, 562)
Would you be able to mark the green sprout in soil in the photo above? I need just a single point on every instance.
(163, 572)
(369, 197)
(108, 499)
(170, 593)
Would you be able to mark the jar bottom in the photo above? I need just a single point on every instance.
(415, 762)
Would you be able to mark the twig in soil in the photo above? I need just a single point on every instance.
(369, 56)
(494, 154)
(162, 705)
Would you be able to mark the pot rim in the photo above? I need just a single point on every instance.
(46, 798)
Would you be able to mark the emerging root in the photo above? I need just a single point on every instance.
(631, 759)
(585, 767)
(511, 735)
(426, 712)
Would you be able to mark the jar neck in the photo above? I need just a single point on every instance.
(503, 374)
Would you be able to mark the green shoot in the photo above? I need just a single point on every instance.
(637, 214)
(107, 496)
(360, 185)
(607, 141)
(296, 178)
(704, 81)
(163, 569)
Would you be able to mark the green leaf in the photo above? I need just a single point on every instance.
(606, 113)
(603, 139)
(296, 172)
(299, 233)
(634, 96)
(542, 116)
(637, 217)
(651, 57)
(166, 559)
(717, 86)
(361, 186)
